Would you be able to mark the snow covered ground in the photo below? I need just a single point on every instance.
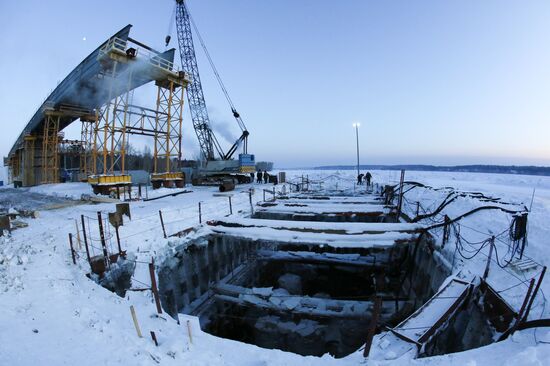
(52, 314)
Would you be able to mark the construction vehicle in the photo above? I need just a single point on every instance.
(217, 165)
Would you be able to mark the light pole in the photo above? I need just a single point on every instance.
(356, 125)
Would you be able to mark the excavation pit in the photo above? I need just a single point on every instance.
(306, 298)
(310, 288)
(365, 211)
(301, 306)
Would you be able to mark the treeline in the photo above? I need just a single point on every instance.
(501, 169)
(264, 165)
(143, 160)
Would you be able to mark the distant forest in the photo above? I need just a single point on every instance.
(501, 169)
(143, 160)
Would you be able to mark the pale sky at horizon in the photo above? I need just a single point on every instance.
(431, 82)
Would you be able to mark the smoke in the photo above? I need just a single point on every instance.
(221, 126)
(224, 129)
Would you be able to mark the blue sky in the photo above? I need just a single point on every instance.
(433, 82)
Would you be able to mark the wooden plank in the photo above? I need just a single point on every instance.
(431, 329)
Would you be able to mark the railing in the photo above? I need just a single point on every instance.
(153, 58)
(114, 43)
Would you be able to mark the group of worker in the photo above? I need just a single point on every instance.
(261, 177)
(367, 176)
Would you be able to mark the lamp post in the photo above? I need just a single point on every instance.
(356, 125)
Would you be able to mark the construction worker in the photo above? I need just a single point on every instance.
(266, 177)
(368, 177)
(360, 179)
(259, 176)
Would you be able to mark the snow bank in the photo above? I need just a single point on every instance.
(53, 314)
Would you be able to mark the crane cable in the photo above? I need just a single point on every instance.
(215, 70)
(170, 26)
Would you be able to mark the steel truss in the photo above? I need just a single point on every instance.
(197, 105)
(118, 119)
(87, 138)
(109, 132)
(168, 127)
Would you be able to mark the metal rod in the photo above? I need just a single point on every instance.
(400, 201)
(102, 237)
(230, 206)
(118, 241)
(72, 249)
(357, 140)
(143, 45)
(200, 213)
(85, 240)
(154, 337)
(491, 243)
(446, 231)
(154, 288)
(523, 306)
(535, 292)
(162, 224)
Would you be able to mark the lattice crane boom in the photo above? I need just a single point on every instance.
(195, 95)
(209, 145)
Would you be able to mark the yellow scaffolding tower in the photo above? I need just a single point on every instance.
(14, 167)
(87, 138)
(168, 133)
(29, 178)
(118, 119)
(50, 147)
(108, 149)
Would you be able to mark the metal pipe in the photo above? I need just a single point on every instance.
(356, 125)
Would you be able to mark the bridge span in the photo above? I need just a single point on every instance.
(97, 93)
